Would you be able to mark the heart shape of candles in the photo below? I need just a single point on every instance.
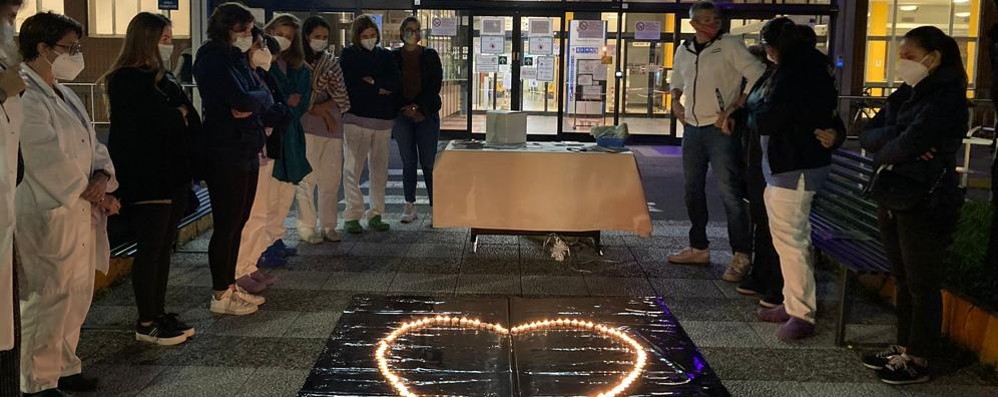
(398, 383)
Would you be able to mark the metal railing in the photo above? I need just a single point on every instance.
(92, 96)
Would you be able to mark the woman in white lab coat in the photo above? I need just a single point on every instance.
(11, 85)
(68, 174)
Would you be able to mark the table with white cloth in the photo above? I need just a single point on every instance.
(571, 189)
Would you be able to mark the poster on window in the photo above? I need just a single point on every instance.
(585, 79)
(541, 46)
(487, 63)
(648, 30)
(588, 66)
(493, 27)
(587, 33)
(493, 44)
(528, 73)
(545, 68)
(592, 92)
(440, 26)
(539, 27)
(599, 74)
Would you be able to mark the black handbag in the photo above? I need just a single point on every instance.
(898, 192)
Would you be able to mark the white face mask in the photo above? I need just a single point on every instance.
(913, 72)
(166, 52)
(318, 45)
(369, 43)
(66, 67)
(263, 59)
(243, 43)
(283, 42)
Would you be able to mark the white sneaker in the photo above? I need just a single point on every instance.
(248, 297)
(232, 304)
(738, 269)
(309, 236)
(690, 256)
(410, 214)
(332, 236)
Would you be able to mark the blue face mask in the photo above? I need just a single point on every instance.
(411, 38)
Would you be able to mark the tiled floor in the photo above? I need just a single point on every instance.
(271, 352)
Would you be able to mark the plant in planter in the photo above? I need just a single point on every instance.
(968, 272)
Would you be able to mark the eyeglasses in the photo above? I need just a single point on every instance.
(74, 49)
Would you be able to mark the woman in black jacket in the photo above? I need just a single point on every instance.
(791, 112)
(151, 125)
(915, 138)
(234, 99)
(417, 128)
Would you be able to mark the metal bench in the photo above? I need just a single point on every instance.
(123, 243)
(844, 226)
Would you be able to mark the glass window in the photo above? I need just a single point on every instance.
(589, 63)
(453, 53)
(32, 7)
(110, 18)
(645, 100)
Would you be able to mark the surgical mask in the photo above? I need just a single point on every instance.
(913, 72)
(263, 59)
(411, 38)
(243, 43)
(707, 30)
(166, 52)
(318, 45)
(66, 67)
(369, 43)
(283, 42)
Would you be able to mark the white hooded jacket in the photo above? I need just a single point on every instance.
(10, 124)
(719, 68)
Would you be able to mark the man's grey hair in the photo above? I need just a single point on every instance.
(704, 5)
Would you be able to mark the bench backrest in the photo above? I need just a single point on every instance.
(841, 199)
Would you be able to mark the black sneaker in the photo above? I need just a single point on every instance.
(170, 320)
(880, 359)
(901, 370)
(158, 334)
(78, 383)
(749, 287)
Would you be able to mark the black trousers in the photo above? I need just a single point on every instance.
(10, 360)
(916, 243)
(155, 226)
(231, 190)
(766, 271)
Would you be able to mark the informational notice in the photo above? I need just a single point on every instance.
(493, 27)
(540, 27)
(648, 30)
(599, 74)
(587, 33)
(585, 79)
(528, 73)
(588, 66)
(541, 45)
(169, 5)
(493, 44)
(441, 26)
(487, 63)
(545, 68)
(592, 92)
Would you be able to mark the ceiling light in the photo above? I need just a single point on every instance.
(961, 1)
(963, 14)
(908, 8)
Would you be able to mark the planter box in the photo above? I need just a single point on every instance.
(122, 266)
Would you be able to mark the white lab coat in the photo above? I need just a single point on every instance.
(10, 123)
(56, 236)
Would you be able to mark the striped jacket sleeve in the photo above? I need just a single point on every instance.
(329, 78)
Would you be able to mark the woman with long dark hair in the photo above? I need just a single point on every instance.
(323, 126)
(791, 111)
(915, 138)
(234, 99)
(152, 121)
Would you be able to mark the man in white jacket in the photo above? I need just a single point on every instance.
(11, 86)
(712, 76)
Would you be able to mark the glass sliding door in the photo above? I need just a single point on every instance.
(492, 74)
(590, 58)
(538, 72)
(648, 52)
(446, 31)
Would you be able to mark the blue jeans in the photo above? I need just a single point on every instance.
(418, 147)
(705, 147)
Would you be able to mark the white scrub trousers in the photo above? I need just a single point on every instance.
(360, 145)
(254, 238)
(789, 223)
(326, 157)
(282, 194)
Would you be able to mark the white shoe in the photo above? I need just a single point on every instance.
(738, 269)
(248, 297)
(332, 236)
(232, 304)
(309, 236)
(410, 214)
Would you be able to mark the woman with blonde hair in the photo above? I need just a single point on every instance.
(152, 121)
